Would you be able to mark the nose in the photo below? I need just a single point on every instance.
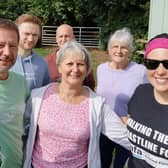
(118, 49)
(6, 50)
(30, 37)
(75, 67)
(64, 39)
(161, 69)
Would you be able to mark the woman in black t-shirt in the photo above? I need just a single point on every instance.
(148, 110)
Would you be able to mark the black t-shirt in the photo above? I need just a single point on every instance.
(148, 129)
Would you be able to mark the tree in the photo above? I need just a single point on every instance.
(10, 9)
(114, 14)
(108, 14)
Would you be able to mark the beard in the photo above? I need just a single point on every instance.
(6, 62)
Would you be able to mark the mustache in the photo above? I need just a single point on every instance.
(7, 59)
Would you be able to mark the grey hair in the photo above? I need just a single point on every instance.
(74, 46)
(122, 35)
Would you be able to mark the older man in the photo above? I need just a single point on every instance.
(28, 63)
(13, 95)
(64, 33)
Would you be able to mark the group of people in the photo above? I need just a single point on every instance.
(46, 104)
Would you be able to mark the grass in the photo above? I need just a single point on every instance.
(43, 51)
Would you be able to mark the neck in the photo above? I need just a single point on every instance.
(67, 90)
(162, 98)
(4, 76)
(24, 53)
(72, 94)
(117, 66)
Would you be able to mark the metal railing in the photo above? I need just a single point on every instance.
(88, 36)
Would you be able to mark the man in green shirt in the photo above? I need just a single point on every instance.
(13, 95)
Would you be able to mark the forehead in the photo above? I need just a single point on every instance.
(64, 31)
(8, 36)
(72, 55)
(29, 27)
(158, 53)
(119, 43)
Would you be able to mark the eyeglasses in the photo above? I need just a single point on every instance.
(152, 64)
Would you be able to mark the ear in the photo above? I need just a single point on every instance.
(59, 69)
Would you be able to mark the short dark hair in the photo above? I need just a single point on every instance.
(162, 35)
(9, 25)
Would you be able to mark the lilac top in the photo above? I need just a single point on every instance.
(117, 86)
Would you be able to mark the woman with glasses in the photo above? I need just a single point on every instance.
(116, 81)
(148, 110)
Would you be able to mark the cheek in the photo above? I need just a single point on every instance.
(59, 40)
(62, 70)
(15, 52)
(59, 69)
(36, 38)
(110, 52)
(126, 53)
(22, 39)
(150, 74)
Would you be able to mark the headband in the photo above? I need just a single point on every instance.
(156, 43)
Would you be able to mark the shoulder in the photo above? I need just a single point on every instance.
(16, 76)
(137, 66)
(18, 81)
(38, 60)
(38, 92)
(105, 64)
(51, 56)
(144, 87)
(138, 71)
(102, 67)
(142, 96)
(143, 90)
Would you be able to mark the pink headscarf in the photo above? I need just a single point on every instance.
(156, 43)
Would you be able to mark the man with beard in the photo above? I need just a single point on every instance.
(13, 96)
(28, 63)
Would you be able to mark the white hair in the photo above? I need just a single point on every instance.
(122, 35)
(74, 46)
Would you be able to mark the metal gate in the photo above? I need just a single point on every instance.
(88, 36)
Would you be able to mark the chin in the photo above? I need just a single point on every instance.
(29, 47)
(75, 83)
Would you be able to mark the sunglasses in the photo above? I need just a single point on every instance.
(152, 64)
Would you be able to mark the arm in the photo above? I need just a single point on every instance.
(47, 78)
(114, 128)
(124, 119)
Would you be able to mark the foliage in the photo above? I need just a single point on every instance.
(133, 14)
(108, 14)
(61, 11)
(12, 8)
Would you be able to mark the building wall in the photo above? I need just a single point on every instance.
(158, 17)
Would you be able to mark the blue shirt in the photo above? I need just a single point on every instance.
(34, 69)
